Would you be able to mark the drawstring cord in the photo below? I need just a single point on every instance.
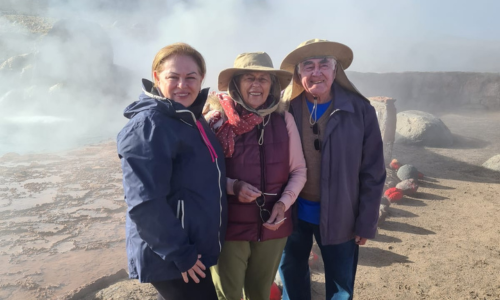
(264, 123)
(315, 112)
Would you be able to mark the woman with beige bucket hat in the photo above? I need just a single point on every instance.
(266, 171)
(339, 204)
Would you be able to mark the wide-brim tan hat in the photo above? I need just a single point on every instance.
(318, 48)
(253, 61)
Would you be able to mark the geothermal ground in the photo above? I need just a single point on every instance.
(62, 225)
(62, 222)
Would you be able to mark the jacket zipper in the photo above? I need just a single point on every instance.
(262, 181)
(324, 137)
(219, 179)
(220, 203)
(321, 160)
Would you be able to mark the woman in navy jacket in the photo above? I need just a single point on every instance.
(174, 180)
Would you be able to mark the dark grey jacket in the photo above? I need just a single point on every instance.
(353, 171)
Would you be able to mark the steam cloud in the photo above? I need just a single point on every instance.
(73, 90)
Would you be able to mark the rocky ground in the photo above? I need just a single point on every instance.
(62, 225)
(61, 221)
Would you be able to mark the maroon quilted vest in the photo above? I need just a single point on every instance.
(250, 163)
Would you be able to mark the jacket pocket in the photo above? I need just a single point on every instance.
(180, 211)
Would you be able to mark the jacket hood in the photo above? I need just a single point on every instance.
(150, 99)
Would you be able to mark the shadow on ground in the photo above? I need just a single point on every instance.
(375, 257)
(382, 238)
(403, 227)
(438, 166)
(426, 196)
(464, 142)
(400, 213)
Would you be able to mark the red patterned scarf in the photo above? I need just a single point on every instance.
(235, 125)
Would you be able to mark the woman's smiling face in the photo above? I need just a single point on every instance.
(180, 79)
(255, 87)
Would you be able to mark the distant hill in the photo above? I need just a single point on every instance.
(433, 91)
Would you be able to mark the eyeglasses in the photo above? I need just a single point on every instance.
(249, 78)
(317, 142)
(261, 201)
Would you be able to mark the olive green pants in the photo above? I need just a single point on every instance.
(249, 267)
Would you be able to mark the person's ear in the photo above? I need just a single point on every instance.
(156, 77)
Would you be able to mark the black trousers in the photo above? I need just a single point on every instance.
(177, 289)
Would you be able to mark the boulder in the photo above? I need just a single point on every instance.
(391, 179)
(386, 116)
(382, 213)
(420, 128)
(393, 194)
(407, 172)
(493, 163)
(385, 202)
(408, 186)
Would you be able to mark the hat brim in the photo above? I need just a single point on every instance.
(342, 54)
(225, 76)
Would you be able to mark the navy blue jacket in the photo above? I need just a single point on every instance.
(174, 187)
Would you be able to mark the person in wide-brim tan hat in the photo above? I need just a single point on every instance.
(258, 62)
(265, 169)
(343, 148)
(317, 48)
(254, 61)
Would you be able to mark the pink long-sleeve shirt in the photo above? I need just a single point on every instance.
(298, 171)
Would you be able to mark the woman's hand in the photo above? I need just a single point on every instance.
(245, 192)
(277, 217)
(198, 268)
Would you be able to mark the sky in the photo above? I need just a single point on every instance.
(466, 19)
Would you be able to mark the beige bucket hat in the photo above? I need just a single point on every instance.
(318, 48)
(253, 61)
